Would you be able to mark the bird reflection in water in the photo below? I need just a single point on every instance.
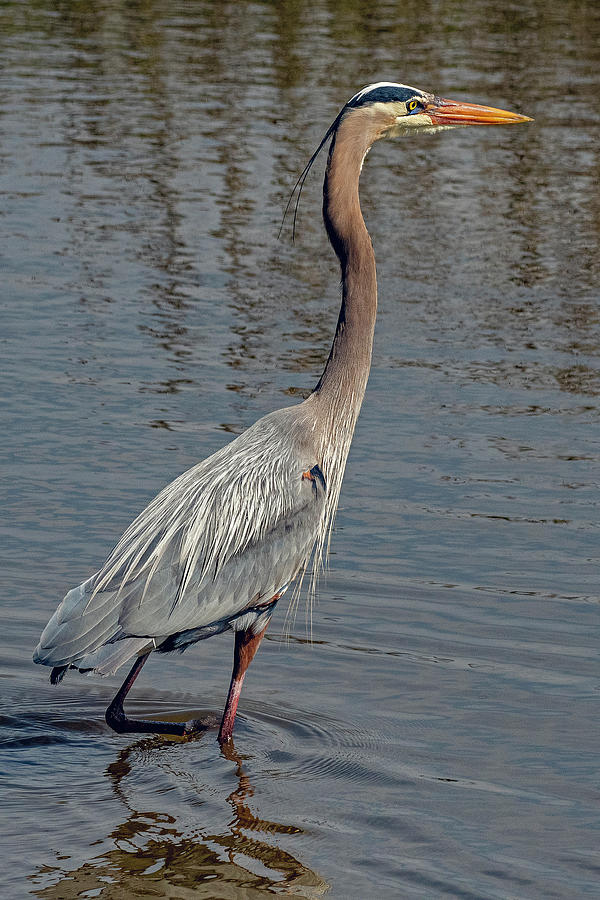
(152, 856)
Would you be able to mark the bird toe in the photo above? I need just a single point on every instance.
(197, 726)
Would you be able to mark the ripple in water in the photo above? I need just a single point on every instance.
(304, 745)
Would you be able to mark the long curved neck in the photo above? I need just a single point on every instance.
(338, 396)
(345, 377)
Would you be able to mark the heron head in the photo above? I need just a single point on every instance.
(387, 109)
(397, 109)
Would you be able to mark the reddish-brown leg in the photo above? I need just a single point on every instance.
(118, 721)
(246, 645)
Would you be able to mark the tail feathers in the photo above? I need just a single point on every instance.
(106, 660)
(57, 674)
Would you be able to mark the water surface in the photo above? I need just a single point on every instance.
(439, 736)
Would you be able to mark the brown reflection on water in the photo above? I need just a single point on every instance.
(152, 857)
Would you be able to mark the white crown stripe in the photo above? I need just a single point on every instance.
(380, 84)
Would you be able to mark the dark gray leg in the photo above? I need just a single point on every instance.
(118, 721)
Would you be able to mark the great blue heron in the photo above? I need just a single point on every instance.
(216, 549)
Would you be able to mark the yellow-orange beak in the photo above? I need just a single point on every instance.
(447, 112)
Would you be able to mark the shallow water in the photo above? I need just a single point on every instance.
(439, 736)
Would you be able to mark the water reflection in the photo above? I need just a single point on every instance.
(152, 856)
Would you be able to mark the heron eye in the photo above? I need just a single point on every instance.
(412, 105)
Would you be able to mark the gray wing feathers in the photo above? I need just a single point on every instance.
(234, 528)
(213, 511)
(77, 628)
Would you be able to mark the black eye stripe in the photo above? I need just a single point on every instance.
(383, 94)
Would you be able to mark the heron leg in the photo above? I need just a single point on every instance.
(246, 645)
(118, 721)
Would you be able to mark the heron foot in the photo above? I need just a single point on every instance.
(122, 724)
(195, 726)
(119, 722)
